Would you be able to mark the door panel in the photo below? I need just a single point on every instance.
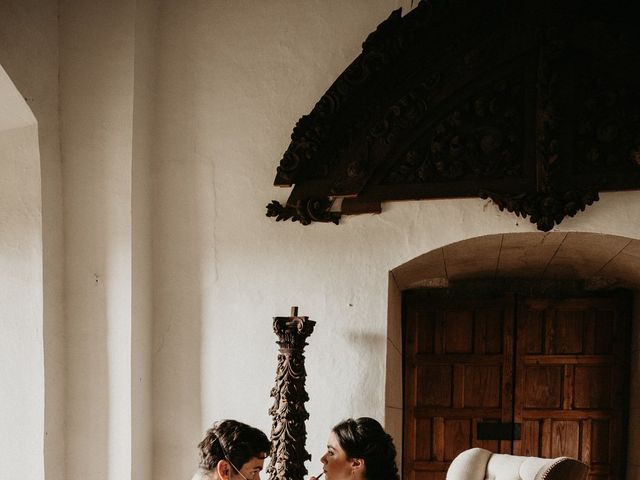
(556, 367)
(456, 375)
(571, 371)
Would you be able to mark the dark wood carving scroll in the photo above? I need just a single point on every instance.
(534, 104)
(288, 431)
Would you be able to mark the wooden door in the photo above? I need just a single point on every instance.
(458, 372)
(555, 369)
(571, 379)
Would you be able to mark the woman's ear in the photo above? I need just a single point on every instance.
(223, 470)
(357, 465)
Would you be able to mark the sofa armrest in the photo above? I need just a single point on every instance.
(565, 469)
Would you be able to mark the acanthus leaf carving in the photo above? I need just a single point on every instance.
(608, 126)
(305, 211)
(301, 160)
(545, 209)
(548, 111)
(482, 137)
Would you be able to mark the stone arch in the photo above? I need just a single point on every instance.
(599, 260)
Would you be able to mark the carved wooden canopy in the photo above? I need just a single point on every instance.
(533, 104)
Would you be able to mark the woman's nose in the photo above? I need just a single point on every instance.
(323, 459)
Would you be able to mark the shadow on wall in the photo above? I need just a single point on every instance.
(184, 281)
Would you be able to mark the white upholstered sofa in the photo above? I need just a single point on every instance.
(481, 464)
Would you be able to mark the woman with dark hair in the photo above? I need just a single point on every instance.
(359, 449)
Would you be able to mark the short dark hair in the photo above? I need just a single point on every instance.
(365, 438)
(232, 440)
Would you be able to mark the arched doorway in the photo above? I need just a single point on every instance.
(22, 397)
(554, 261)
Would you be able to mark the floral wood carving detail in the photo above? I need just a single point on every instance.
(544, 210)
(305, 212)
(482, 137)
(608, 126)
(288, 431)
(310, 132)
(549, 103)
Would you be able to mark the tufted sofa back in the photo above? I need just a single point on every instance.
(481, 464)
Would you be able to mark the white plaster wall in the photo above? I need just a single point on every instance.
(29, 54)
(106, 176)
(182, 219)
(21, 296)
(142, 241)
(96, 103)
(234, 78)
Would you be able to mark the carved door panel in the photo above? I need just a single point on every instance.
(458, 373)
(547, 377)
(572, 361)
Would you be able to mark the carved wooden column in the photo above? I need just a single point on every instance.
(288, 431)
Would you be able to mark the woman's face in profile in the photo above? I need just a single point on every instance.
(336, 465)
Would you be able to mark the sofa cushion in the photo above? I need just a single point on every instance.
(469, 465)
(504, 467)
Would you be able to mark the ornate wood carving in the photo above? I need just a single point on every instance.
(483, 137)
(548, 109)
(535, 105)
(607, 127)
(544, 210)
(310, 134)
(304, 211)
(288, 432)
